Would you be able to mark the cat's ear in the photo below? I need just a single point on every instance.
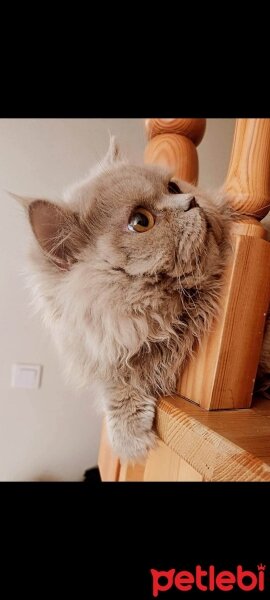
(111, 158)
(57, 231)
(113, 153)
(55, 228)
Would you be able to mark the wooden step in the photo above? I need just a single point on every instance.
(224, 445)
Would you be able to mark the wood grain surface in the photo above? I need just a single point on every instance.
(163, 464)
(176, 152)
(108, 462)
(227, 445)
(131, 472)
(248, 179)
(223, 370)
(191, 128)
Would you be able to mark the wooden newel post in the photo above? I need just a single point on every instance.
(223, 371)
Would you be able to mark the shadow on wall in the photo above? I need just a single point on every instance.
(46, 477)
(90, 476)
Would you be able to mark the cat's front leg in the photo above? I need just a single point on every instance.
(130, 414)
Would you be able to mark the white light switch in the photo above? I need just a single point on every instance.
(26, 376)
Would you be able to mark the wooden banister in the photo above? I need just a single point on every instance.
(223, 372)
(196, 445)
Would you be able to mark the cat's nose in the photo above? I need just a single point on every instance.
(191, 204)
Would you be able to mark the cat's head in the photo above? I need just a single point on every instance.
(139, 221)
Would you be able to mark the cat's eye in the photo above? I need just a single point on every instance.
(141, 220)
(173, 188)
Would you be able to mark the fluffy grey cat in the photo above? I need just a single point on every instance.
(126, 270)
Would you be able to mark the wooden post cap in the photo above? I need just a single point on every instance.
(191, 128)
(176, 152)
(248, 179)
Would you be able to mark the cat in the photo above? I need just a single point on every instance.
(127, 272)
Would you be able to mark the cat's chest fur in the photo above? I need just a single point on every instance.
(121, 326)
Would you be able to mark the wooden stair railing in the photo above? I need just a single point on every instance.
(222, 373)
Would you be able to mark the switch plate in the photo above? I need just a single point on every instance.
(26, 376)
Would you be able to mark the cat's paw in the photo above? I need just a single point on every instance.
(132, 447)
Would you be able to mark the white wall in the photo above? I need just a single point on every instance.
(54, 432)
